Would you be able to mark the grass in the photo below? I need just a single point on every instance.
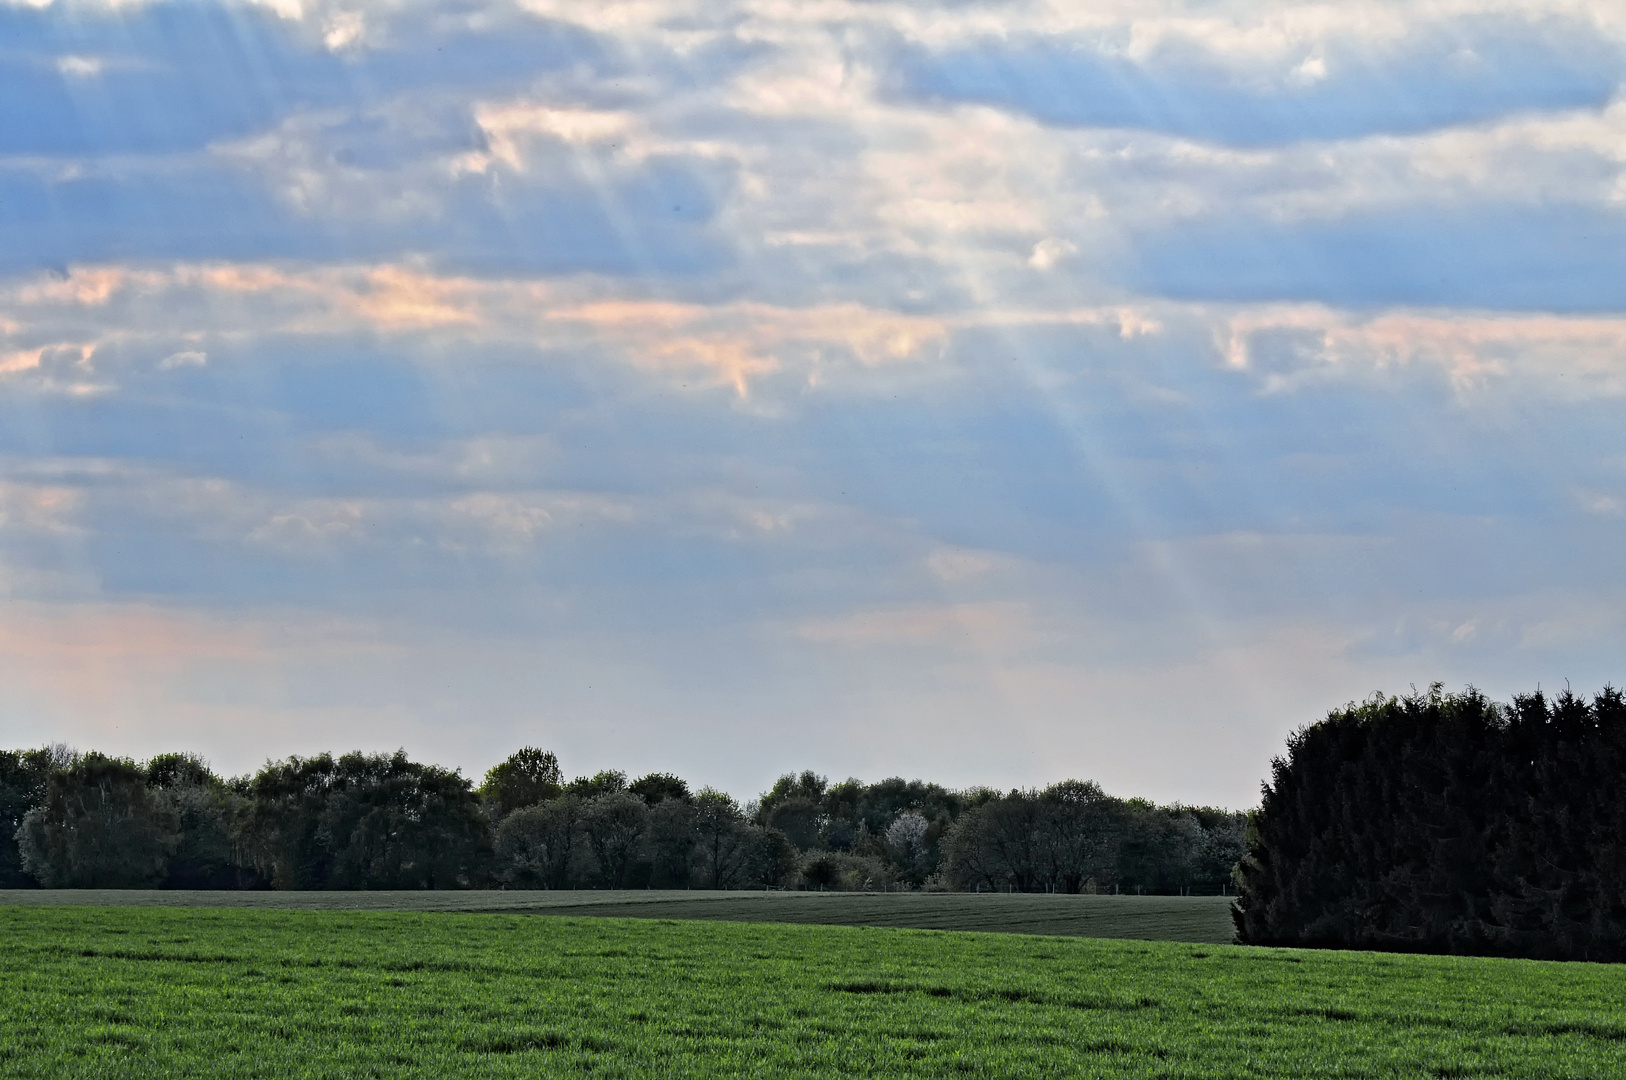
(1152, 918)
(144, 991)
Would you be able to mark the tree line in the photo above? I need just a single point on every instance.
(1446, 823)
(383, 821)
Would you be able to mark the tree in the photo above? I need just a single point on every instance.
(1066, 836)
(1084, 835)
(528, 776)
(605, 782)
(98, 826)
(23, 776)
(906, 843)
(1158, 848)
(166, 771)
(1223, 846)
(614, 826)
(821, 869)
(287, 801)
(772, 858)
(723, 842)
(536, 845)
(852, 816)
(206, 855)
(1446, 823)
(405, 826)
(801, 819)
(367, 821)
(999, 845)
(809, 787)
(672, 843)
(659, 786)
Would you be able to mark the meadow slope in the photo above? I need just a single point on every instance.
(143, 992)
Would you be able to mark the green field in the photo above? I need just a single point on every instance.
(1150, 918)
(145, 991)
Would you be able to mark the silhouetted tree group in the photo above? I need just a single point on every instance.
(1073, 837)
(1447, 823)
(1432, 822)
(1070, 837)
(383, 821)
(603, 832)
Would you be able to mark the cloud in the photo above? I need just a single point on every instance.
(80, 67)
(1443, 73)
(178, 77)
(185, 358)
(1565, 356)
(732, 343)
(110, 310)
(731, 388)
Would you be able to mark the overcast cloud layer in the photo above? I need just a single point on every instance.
(992, 393)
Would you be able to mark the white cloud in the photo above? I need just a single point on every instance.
(185, 358)
(80, 67)
(1050, 251)
(345, 30)
(1562, 356)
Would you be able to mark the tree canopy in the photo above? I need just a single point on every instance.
(1447, 823)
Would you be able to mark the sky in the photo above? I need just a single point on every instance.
(986, 392)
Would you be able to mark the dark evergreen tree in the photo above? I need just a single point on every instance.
(1446, 823)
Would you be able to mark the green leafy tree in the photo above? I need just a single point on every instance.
(1000, 845)
(1066, 836)
(614, 827)
(852, 815)
(168, 771)
(1158, 849)
(809, 786)
(723, 841)
(23, 777)
(821, 869)
(367, 821)
(673, 843)
(99, 826)
(801, 819)
(773, 859)
(604, 782)
(206, 854)
(657, 787)
(526, 777)
(537, 845)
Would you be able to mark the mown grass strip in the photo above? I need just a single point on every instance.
(1147, 918)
